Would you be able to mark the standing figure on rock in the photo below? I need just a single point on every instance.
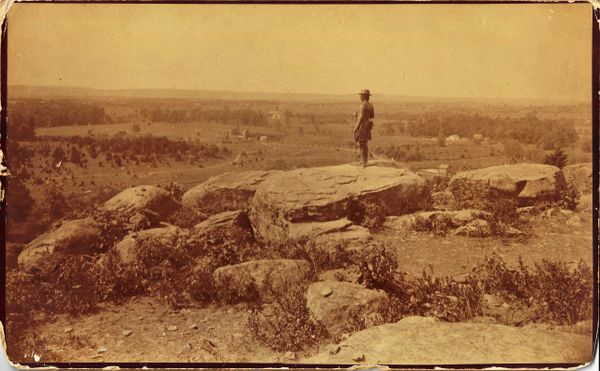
(364, 124)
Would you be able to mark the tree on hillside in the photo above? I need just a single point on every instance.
(75, 156)
(557, 158)
(58, 154)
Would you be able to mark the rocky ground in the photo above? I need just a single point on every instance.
(330, 206)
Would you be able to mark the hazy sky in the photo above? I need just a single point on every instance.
(530, 51)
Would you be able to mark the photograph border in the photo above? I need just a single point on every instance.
(5, 180)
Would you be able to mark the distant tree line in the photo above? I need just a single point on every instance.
(243, 116)
(117, 149)
(545, 133)
(25, 115)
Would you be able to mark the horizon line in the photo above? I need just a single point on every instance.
(329, 94)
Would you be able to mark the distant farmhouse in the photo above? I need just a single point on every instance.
(452, 138)
(275, 115)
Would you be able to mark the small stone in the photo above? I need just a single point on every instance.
(127, 332)
(172, 328)
(326, 291)
(140, 318)
(101, 350)
(207, 344)
(193, 326)
(290, 356)
(68, 330)
(335, 350)
(362, 358)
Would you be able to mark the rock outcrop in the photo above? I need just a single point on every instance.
(452, 219)
(259, 280)
(128, 248)
(75, 237)
(299, 203)
(226, 225)
(153, 202)
(526, 183)
(420, 340)
(579, 176)
(225, 192)
(340, 306)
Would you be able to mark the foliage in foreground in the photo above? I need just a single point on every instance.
(426, 296)
(555, 291)
(287, 325)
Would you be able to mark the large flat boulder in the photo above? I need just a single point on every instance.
(420, 340)
(152, 201)
(579, 176)
(228, 191)
(526, 183)
(260, 280)
(129, 247)
(340, 306)
(289, 204)
(76, 237)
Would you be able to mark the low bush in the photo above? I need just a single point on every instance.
(568, 197)
(287, 325)
(554, 291)
(444, 298)
(186, 218)
(440, 297)
(439, 225)
(244, 289)
(504, 217)
(321, 258)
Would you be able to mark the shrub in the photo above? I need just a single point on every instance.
(563, 295)
(175, 190)
(287, 325)
(495, 276)
(243, 290)
(445, 298)
(378, 269)
(320, 258)
(568, 197)
(554, 291)
(440, 297)
(439, 225)
(186, 218)
(557, 158)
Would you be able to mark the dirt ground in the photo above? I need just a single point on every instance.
(141, 329)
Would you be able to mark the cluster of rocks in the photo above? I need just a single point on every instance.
(315, 204)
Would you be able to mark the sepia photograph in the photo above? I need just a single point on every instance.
(299, 184)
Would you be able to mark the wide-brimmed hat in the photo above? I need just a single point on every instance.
(365, 92)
